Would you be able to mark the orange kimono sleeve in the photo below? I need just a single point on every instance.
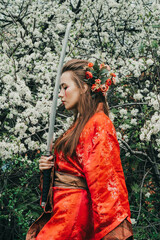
(104, 175)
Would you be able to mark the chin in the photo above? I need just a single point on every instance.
(67, 108)
(70, 108)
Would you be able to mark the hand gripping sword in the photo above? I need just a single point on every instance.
(46, 173)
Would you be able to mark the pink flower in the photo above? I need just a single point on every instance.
(93, 88)
(108, 67)
(105, 66)
(114, 80)
(98, 80)
(102, 65)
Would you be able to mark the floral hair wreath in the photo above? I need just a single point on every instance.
(99, 78)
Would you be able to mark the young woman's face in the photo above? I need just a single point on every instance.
(70, 93)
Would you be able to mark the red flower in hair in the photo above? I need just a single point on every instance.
(90, 64)
(98, 77)
(98, 89)
(104, 88)
(89, 75)
(113, 75)
(108, 82)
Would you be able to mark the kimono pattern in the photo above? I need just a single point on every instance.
(80, 214)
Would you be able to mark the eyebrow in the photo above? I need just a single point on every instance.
(62, 84)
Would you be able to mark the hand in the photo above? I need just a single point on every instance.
(45, 162)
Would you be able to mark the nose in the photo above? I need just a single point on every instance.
(60, 94)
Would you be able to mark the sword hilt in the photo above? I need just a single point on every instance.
(46, 182)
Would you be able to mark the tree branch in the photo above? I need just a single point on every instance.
(129, 104)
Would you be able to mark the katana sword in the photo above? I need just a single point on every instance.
(46, 173)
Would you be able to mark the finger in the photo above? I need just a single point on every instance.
(45, 166)
(43, 157)
(50, 157)
(46, 158)
(48, 162)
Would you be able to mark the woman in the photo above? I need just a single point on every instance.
(90, 199)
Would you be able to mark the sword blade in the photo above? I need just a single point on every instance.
(56, 89)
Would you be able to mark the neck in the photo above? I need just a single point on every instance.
(100, 107)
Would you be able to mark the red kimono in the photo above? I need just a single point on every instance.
(91, 214)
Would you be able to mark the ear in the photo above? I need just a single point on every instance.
(85, 88)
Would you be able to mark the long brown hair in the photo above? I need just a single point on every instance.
(87, 107)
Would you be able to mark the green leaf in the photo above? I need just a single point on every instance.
(96, 67)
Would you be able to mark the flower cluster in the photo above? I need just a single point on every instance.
(99, 78)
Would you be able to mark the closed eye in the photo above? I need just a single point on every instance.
(65, 88)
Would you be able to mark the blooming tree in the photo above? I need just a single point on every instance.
(124, 35)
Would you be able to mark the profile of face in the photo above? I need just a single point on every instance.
(70, 93)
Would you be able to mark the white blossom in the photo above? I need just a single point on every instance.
(43, 147)
(124, 126)
(111, 116)
(123, 112)
(147, 195)
(134, 112)
(134, 121)
(150, 127)
(126, 138)
(133, 221)
(142, 136)
(149, 62)
(155, 102)
(138, 96)
(20, 128)
(128, 154)
(119, 135)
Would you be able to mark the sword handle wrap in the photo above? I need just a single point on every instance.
(46, 182)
